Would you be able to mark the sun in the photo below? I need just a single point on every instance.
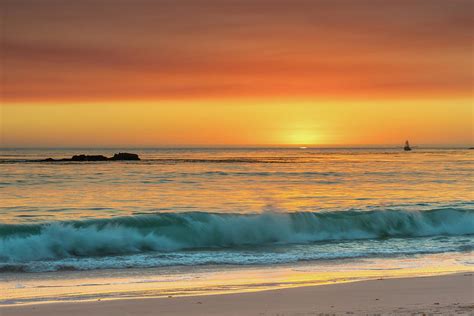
(302, 136)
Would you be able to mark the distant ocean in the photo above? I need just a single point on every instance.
(257, 206)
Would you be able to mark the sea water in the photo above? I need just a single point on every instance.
(254, 206)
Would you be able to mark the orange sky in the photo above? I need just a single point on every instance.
(196, 72)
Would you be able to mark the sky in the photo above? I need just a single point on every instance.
(236, 73)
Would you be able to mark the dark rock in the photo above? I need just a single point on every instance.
(81, 158)
(89, 158)
(125, 156)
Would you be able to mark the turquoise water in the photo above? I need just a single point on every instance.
(258, 206)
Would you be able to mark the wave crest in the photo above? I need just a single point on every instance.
(181, 231)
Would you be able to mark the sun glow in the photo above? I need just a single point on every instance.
(303, 136)
(237, 123)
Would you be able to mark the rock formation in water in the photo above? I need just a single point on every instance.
(80, 158)
(89, 158)
(125, 156)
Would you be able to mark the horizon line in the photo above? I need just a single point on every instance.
(260, 146)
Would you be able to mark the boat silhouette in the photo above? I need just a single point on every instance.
(407, 146)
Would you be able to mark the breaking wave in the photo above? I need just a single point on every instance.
(164, 232)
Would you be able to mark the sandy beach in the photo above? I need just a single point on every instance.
(436, 295)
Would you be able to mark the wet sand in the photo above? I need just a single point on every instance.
(442, 295)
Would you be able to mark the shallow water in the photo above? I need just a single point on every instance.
(93, 285)
(232, 206)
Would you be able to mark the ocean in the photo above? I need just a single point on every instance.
(248, 207)
(231, 206)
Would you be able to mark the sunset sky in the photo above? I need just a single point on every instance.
(260, 72)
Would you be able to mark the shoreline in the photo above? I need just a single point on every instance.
(112, 284)
(445, 294)
(21, 289)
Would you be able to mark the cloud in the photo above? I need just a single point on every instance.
(90, 50)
